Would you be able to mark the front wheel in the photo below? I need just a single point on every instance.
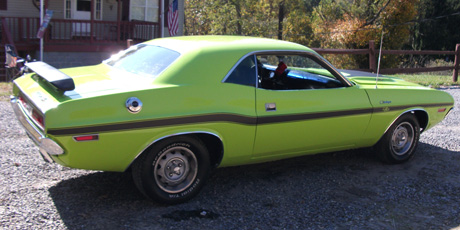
(173, 171)
(400, 141)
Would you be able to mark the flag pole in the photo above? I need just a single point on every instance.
(41, 22)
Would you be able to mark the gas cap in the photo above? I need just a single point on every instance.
(133, 104)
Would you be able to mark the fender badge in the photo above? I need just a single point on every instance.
(385, 109)
(385, 102)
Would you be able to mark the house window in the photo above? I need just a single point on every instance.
(3, 4)
(98, 12)
(84, 5)
(144, 10)
(75, 9)
(68, 10)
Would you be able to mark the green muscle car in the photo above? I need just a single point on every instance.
(171, 110)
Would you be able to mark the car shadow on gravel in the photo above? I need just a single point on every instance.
(332, 190)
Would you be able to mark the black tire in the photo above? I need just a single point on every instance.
(399, 143)
(172, 171)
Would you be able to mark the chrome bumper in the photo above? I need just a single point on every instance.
(47, 146)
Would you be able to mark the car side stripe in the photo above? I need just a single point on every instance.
(239, 119)
(233, 118)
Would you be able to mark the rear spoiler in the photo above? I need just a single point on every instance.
(55, 77)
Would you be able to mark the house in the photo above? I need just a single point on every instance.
(82, 32)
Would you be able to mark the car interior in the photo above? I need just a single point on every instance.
(283, 72)
(293, 73)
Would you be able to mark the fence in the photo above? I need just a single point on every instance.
(373, 53)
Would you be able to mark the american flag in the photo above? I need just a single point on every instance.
(173, 18)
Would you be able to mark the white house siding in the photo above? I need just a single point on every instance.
(25, 8)
(20, 8)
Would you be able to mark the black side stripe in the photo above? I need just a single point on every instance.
(158, 123)
(310, 116)
(233, 118)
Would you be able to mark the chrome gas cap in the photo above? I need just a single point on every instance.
(133, 104)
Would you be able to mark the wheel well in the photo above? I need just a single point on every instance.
(422, 118)
(215, 147)
(213, 144)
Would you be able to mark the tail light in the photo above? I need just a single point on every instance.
(33, 113)
(38, 118)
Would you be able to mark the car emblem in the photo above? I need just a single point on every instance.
(40, 96)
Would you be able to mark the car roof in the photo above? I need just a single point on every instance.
(187, 44)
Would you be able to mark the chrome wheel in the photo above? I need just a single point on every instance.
(402, 138)
(176, 169)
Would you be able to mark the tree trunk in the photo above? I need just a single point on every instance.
(280, 20)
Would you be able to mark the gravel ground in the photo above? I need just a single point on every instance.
(342, 190)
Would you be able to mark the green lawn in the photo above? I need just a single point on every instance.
(434, 81)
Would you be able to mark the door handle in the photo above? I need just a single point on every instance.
(269, 107)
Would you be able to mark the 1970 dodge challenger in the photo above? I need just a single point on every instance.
(173, 109)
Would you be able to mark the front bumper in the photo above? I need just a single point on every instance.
(47, 146)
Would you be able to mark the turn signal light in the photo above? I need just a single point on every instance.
(442, 110)
(92, 137)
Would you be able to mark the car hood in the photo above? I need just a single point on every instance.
(370, 80)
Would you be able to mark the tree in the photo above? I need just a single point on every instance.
(432, 32)
(351, 24)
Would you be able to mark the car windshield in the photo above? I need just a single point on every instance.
(143, 60)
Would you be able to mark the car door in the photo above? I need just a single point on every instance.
(308, 109)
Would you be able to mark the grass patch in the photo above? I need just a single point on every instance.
(434, 81)
(5, 90)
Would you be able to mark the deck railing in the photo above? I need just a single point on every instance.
(24, 30)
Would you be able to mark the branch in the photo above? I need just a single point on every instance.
(376, 16)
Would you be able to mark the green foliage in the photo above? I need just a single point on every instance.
(440, 34)
(339, 24)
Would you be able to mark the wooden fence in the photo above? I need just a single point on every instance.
(373, 53)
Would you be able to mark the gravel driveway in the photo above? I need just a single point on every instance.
(342, 190)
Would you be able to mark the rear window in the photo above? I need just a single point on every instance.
(143, 60)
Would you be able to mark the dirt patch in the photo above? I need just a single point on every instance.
(6, 89)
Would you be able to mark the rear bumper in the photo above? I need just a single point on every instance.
(47, 146)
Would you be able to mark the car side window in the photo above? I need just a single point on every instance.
(244, 73)
(294, 72)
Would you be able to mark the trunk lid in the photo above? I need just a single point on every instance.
(48, 87)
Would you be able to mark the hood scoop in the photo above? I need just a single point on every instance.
(52, 75)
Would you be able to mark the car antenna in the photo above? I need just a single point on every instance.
(378, 64)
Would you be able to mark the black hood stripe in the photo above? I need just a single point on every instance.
(232, 118)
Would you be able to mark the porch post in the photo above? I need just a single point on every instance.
(92, 21)
(118, 20)
(41, 23)
(162, 18)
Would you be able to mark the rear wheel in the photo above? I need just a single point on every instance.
(400, 141)
(173, 171)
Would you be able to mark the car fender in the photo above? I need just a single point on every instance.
(166, 135)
